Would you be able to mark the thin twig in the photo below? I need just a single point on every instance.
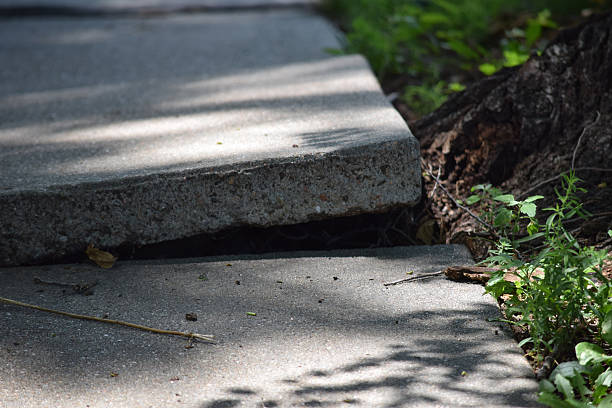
(464, 208)
(413, 278)
(202, 337)
(582, 134)
(436, 184)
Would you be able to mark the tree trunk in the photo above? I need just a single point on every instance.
(524, 125)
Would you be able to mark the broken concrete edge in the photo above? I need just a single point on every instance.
(146, 11)
(39, 226)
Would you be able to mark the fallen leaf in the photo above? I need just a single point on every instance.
(102, 258)
(192, 317)
(113, 374)
(251, 314)
(425, 233)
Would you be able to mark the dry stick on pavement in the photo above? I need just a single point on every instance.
(202, 337)
(413, 278)
(458, 273)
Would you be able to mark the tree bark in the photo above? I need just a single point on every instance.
(523, 126)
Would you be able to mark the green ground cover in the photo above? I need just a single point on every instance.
(432, 48)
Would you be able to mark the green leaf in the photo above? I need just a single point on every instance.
(528, 238)
(533, 32)
(564, 386)
(606, 328)
(589, 352)
(532, 229)
(525, 341)
(606, 402)
(456, 87)
(434, 18)
(487, 69)
(550, 399)
(568, 369)
(503, 217)
(463, 50)
(494, 280)
(528, 209)
(604, 378)
(533, 198)
(547, 386)
(506, 198)
(473, 199)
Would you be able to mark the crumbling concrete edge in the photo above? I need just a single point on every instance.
(39, 226)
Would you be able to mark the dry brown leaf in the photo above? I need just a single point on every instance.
(425, 233)
(102, 258)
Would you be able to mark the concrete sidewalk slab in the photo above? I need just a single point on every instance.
(143, 130)
(326, 333)
(158, 5)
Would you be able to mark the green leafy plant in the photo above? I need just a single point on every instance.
(519, 43)
(560, 291)
(584, 383)
(427, 98)
(434, 41)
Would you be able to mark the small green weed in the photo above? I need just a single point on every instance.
(584, 383)
(519, 43)
(560, 294)
(560, 291)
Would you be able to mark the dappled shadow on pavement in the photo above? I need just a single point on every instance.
(450, 364)
(326, 333)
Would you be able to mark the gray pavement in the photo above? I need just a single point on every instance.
(326, 333)
(127, 5)
(134, 130)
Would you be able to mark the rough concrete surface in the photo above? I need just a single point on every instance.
(142, 130)
(326, 333)
(127, 5)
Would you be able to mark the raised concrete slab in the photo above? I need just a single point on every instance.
(143, 130)
(326, 333)
(101, 6)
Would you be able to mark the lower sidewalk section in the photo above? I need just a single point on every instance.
(293, 330)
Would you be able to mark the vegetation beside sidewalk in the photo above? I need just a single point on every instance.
(559, 298)
(424, 50)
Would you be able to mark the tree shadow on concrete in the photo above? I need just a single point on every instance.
(432, 371)
(354, 340)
